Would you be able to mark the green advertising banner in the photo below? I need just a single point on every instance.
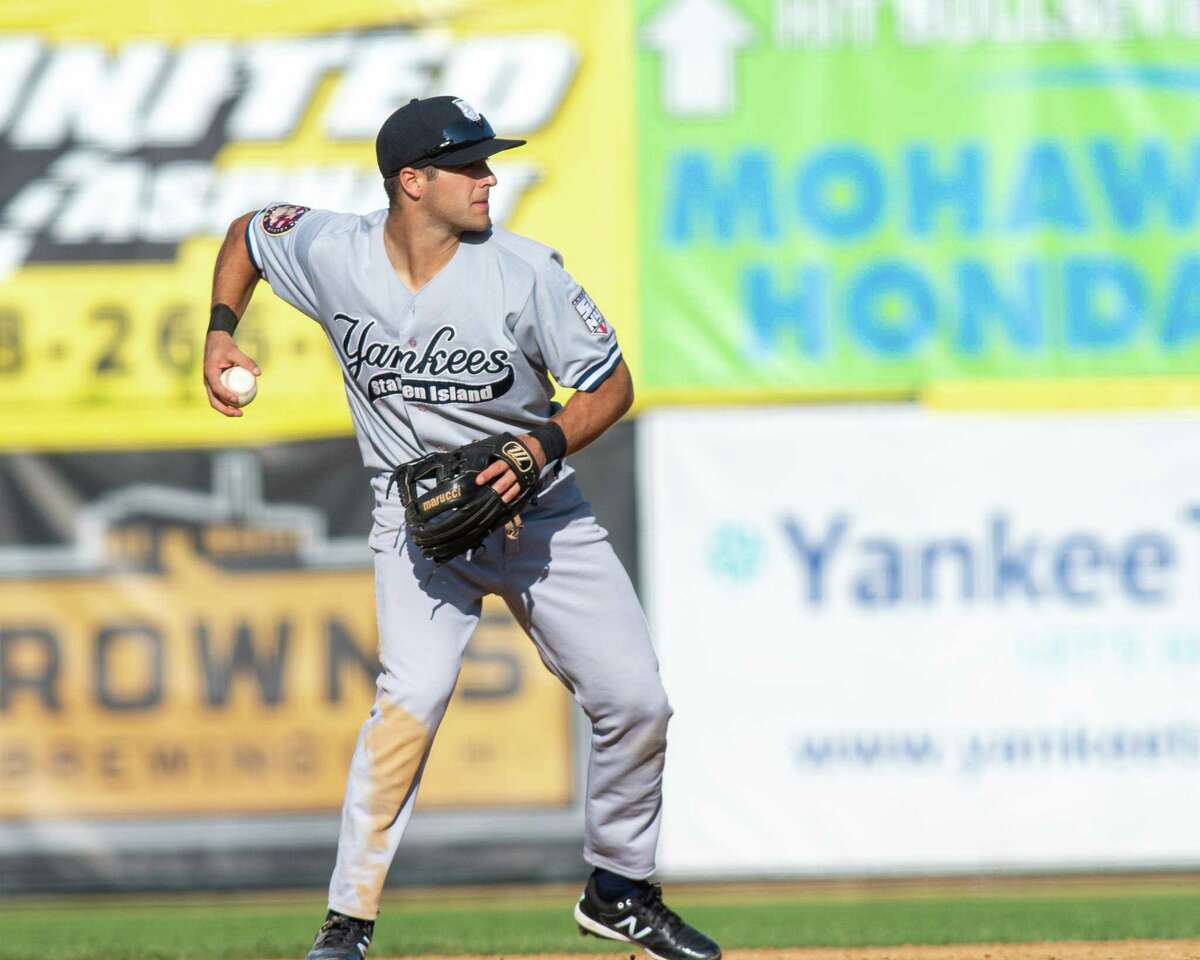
(870, 196)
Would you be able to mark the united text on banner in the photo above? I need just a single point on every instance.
(129, 145)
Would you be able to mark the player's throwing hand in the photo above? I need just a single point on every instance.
(221, 353)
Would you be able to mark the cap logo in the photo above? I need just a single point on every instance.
(468, 111)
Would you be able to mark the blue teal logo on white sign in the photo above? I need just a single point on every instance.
(735, 553)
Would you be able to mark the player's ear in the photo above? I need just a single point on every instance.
(412, 182)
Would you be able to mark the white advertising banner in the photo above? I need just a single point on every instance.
(899, 640)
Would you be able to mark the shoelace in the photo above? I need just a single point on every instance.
(344, 929)
(658, 912)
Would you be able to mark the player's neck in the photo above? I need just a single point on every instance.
(417, 251)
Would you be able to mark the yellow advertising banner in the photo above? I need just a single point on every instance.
(130, 140)
(167, 662)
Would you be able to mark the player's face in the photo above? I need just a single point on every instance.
(460, 195)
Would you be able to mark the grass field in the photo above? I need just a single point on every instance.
(537, 920)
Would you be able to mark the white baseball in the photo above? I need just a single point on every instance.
(242, 382)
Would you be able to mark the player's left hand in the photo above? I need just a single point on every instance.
(500, 474)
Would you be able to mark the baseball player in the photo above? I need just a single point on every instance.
(448, 330)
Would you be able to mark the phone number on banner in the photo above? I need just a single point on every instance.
(125, 371)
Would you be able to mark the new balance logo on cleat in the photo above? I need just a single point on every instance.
(629, 923)
(643, 919)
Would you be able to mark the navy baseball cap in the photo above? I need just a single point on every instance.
(443, 131)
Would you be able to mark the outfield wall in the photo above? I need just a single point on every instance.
(941, 205)
(187, 651)
(187, 640)
(902, 641)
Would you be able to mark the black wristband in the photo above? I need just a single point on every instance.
(554, 442)
(222, 318)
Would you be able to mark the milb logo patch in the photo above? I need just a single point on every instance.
(590, 314)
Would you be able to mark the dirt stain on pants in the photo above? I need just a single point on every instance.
(381, 789)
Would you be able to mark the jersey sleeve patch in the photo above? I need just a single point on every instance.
(592, 318)
(282, 217)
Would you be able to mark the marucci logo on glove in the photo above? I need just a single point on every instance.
(519, 455)
(441, 499)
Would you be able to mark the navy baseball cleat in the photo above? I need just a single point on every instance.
(645, 921)
(342, 938)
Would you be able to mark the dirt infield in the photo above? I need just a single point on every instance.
(1062, 950)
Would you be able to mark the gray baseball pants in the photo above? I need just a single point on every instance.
(568, 590)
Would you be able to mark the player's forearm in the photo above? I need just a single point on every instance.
(234, 275)
(587, 415)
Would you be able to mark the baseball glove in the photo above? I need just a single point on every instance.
(446, 511)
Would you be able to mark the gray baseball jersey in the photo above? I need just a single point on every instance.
(470, 355)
